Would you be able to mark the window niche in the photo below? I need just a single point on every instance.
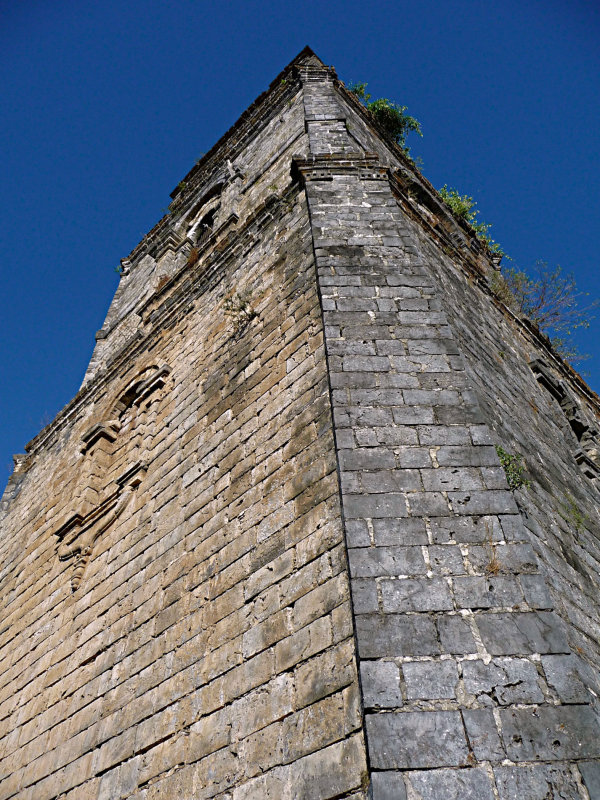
(202, 218)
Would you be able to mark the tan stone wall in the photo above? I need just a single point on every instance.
(210, 639)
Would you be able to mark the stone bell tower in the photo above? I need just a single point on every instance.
(269, 551)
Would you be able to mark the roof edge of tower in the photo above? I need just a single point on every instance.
(305, 54)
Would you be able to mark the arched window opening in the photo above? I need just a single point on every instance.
(205, 226)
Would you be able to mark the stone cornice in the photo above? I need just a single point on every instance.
(325, 167)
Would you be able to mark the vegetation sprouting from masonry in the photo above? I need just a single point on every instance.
(463, 206)
(548, 297)
(389, 115)
(551, 300)
(513, 468)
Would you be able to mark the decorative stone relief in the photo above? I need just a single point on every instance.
(104, 446)
(587, 434)
(78, 534)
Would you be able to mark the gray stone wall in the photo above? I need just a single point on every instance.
(560, 505)
(470, 687)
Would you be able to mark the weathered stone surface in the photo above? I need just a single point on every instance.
(430, 680)
(590, 771)
(413, 740)
(381, 684)
(552, 733)
(388, 786)
(503, 681)
(483, 735)
(452, 784)
(540, 782)
(210, 630)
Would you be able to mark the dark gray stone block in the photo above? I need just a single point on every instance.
(493, 591)
(399, 531)
(482, 502)
(375, 561)
(387, 786)
(503, 681)
(423, 594)
(396, 635)
(563, 676)
(536, 591)
(455, 635)
(536, 782)
(446, 559)
(430, 680)
(380, 684)
(467, 456)
(424, 504)
(522, 634)
(590, 772)
(452, 784)
(466, 529)
(483, 735)
(375, 506)
(416, 739)
(550, 733)
(364, 596)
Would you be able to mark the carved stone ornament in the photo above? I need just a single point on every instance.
(587, 434)
(100, 499)
(77, 536)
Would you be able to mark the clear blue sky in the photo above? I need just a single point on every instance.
(106, 105)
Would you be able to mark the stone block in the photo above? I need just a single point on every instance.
(455, 635)
(364, 595)
(384, 506)
(536, 782)
(384, 561)
(416, 739)
(492, 591)
(452, 784)
(522, 633)
(483, 734)
(399, 532)
(562, 674)
(396, 634)
(387, 786)
(324, 674)
(550, 733)
(590, 772)
(503, 681)
(446, 559)
(482, 502)
(535, 592)
(430, 680)
(380, 684)
(422, 594)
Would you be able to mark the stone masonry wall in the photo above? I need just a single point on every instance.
(527, 419)
(464, 666)
(460, 654)
(208, 651)
(201, 643)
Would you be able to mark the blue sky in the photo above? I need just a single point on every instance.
(106, 106)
